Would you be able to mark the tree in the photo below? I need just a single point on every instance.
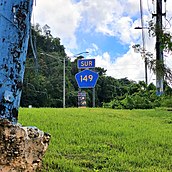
(43, 87)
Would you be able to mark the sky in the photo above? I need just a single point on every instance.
(105, 29)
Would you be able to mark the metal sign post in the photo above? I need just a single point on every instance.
(86, 78)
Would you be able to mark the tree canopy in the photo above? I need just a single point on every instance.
(43, 81)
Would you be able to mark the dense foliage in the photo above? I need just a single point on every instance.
(43, 81)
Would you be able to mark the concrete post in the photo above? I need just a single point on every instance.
(14, 34)
(21, 148)
(159, 51)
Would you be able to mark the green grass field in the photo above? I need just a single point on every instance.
(106, 140)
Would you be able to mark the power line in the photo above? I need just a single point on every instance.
(154, 8)
(149, 7)
(33, 44)
(122, 69)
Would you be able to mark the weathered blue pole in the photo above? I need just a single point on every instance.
(15, 18)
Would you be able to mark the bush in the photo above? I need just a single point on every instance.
(166, 102)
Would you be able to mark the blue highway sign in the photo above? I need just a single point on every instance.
(86, 79)
(86, 63)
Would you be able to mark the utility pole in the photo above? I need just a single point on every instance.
(64, 82)
(94, 92)
(159, 51)
(64, 76)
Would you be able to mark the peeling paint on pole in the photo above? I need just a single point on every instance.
(14, 34)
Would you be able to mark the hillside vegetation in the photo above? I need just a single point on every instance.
(43, 81)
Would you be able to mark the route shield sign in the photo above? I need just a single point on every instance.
(86, 79)
(86, 63)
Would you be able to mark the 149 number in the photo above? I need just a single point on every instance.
(86, 78)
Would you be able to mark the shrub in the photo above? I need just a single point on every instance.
(166, 102)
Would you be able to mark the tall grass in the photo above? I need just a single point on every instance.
(104, 140)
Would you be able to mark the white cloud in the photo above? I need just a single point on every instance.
(113, 18)
(130, 65)
(62, 16)
(93, 49)
(116, 18)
